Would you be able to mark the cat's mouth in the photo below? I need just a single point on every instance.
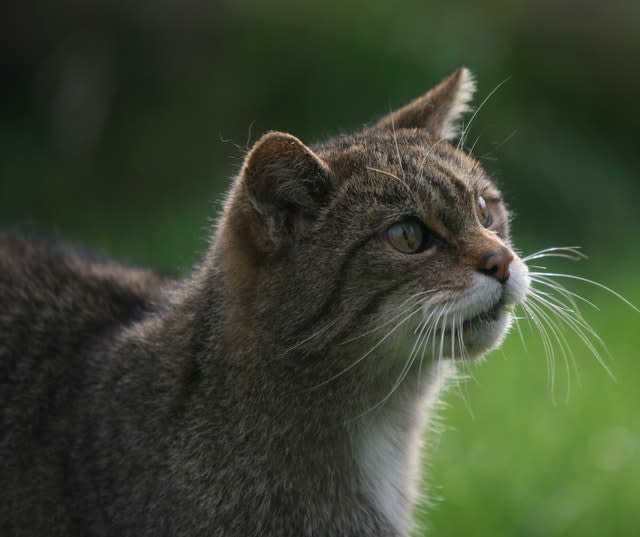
(477, 334)
(491, 315)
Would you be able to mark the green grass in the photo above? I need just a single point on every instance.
(517, 457)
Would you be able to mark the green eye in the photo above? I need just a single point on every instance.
(406, 236)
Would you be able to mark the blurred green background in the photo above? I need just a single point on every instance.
(121, 124)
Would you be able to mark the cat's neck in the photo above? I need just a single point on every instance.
(324, 433)
(223, 329)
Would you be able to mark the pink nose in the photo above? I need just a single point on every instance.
(496, 265)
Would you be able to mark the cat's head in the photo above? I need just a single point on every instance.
(391, 230)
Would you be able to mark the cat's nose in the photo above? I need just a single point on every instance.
(496, 264)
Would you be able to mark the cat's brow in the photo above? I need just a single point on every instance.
(455, 183)
(451, 191)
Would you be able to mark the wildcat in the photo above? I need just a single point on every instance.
(283, 387)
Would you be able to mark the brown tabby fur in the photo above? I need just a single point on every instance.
(233, 403)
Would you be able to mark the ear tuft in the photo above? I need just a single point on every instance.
(439, 110)
(465, 88)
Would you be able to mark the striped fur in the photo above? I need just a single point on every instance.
(280, 389)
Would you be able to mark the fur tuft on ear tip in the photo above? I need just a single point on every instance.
(465, 84)
(440, 110)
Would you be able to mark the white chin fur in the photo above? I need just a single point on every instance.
(479, 341)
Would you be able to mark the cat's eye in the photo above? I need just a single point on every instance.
(407, 236)
(484, 213)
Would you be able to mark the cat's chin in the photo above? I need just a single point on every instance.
(486, 331)
(477, 335)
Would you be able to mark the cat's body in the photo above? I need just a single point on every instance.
(268, 394)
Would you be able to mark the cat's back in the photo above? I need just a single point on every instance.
(56, 304)
(59, 306)
(54, 295)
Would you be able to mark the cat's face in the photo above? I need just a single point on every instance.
(391, 231)
(439, 249)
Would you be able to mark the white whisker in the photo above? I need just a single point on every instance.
(554, 308)
(421, 340)
(315, 334)
(465, 132)
(592, 282)
(579, 326)
(558, 333)
(391, 319)
(546, 345)
(567, 252)
(373, 348)
(395, 141)
(488, 156)
(393, 176)
(548, 282)
(519, 329)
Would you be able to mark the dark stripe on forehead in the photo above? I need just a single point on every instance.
(389, 195)
(442, 185)
(454, 195)
(461, 188)
(443, 188)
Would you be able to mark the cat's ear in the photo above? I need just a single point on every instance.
(284, 184)
(439, 110)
